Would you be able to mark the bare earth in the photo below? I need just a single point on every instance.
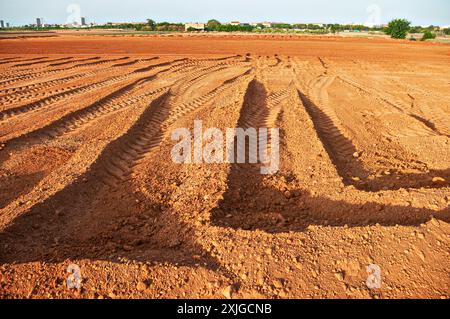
(86, 175)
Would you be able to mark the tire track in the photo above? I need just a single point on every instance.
(134, 62)
(15, 92)
(8, 113)
(70, 92)
(436, 120)
(189, 80)
(174, 64)
(96, 110)
(23, 60)
(324, 64)
(189, 63)
(40, 62)
(103, 107)
(253, 114)
(339, 147)
(337, 143)
(12, 74)
(13, 95)
(41, 89)
(328, 125)
(74, 61)
(427, 130)
(35, 87)
(254, 109)
(6, 59)
(244, 181)
(135, 145)
(195, 77)
(115, 101)
(194, 104)
(99, 62)
(93, 150)
(341, 151)
(439, 122)
(32, 76)
(261, 110)
(273, 103)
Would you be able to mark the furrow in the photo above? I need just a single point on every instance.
(71, 91)
(144, 135)
(73, 61)
(101, 108)
(338, 146)
(59, 97)
(154, 130)
(31, 76)
(41, 62)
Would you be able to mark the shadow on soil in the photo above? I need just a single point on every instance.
(90, 220)
(340, 150)
(250, 205)
(11, 187)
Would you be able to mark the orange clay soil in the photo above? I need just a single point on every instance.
(86, 175)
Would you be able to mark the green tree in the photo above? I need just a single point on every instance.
(428, 35)
(213, 24)
(398, 28)
(151, 24)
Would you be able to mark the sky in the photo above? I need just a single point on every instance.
(420, 12)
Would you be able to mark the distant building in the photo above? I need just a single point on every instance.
(39, 22)
(2, 24)
(83, 21)
(122, 23)
(195, 26)
(7, 24)
(235, 23)
(267, 24)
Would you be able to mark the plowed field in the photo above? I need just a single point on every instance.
(86, 175)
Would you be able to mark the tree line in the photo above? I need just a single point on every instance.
(397, 28)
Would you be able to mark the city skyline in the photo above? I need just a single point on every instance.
(22, 12)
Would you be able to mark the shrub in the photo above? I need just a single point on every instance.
(428, 35)
(398, 28)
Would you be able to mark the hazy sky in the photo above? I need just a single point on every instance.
(420, 12)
